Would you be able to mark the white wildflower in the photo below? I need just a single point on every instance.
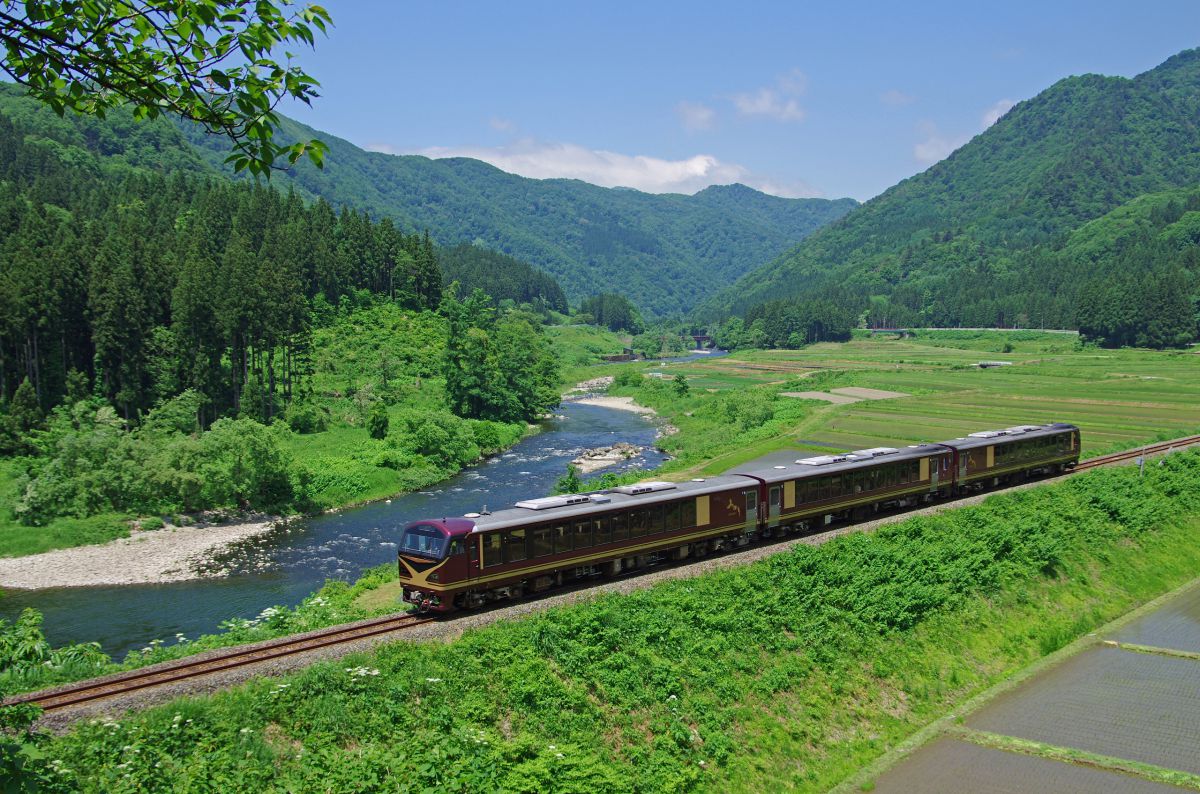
(434, 680)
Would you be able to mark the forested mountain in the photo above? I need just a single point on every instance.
(145, 298)
(983, 238)
(500, 276)
(151, 284)
(666, 252)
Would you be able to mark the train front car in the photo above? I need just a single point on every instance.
(433, 561)
(993, 458)
(539, 544)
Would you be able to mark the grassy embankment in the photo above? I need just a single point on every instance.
(794, 671)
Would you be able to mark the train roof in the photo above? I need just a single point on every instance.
(551, 508)
(987, 438)
(795, 464)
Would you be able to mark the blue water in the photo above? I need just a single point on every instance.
(285, 566)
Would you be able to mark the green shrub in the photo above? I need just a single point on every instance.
(304, 416)
(628, 377)
(377, 422)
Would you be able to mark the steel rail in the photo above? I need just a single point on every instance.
(131, 681)
(183, 669)
(1130, 454)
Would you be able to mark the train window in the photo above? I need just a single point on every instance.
(602, 530)
(456, 547)
(656, 518)
(583, 533)
(671, 517)
(835, 486)
(492, 549)
(688, 513)
(543, 543)
(620, 526)
(562, 538)
(638, 523)
(751, 502)
(514, 546)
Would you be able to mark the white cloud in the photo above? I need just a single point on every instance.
(779, 102)
(543, 160)
(695, 116)
(993, 114)
(936, 146)
(894, 97)
(501, 125)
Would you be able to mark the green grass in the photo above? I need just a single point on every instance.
(790, 673)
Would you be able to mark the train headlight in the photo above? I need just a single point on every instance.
(433, 577)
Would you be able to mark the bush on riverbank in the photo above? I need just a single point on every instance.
(793, 671)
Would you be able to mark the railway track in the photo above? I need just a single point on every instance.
(1131, 454)
(171, 672)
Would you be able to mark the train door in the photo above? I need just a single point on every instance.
(751, 495)
(963, 457)
(935, 473)
(774, 499)
(473, 544)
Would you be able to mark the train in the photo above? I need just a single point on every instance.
(465, 562)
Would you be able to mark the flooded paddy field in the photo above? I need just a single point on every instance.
(1105, 719)
(951, 766)
(1175, 626)
(1142, 707)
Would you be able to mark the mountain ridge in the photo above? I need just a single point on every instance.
(934, 243)
(666, 251)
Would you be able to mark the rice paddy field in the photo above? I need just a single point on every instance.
(1118, 397)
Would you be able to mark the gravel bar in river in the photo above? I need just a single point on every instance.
(170, 554)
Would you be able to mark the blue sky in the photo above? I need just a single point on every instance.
(793, 98)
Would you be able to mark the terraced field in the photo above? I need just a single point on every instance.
(1118, 397)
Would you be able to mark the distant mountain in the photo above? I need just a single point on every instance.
(978, 238)
(665, 251)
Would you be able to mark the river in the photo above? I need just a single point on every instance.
(287, 565)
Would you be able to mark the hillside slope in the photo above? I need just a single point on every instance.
(957, 243)
(665, 251)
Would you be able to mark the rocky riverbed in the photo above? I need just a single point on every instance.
(603, 457)
(170, 554)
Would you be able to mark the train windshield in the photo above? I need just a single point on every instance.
(424, 540)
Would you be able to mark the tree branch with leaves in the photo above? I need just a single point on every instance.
(213, 62)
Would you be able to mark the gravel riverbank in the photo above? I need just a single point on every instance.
(170, 554)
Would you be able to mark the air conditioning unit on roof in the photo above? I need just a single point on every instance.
(874, 452)
(825, 460)
(1023, 429)
(644, 487)
(988, 434)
